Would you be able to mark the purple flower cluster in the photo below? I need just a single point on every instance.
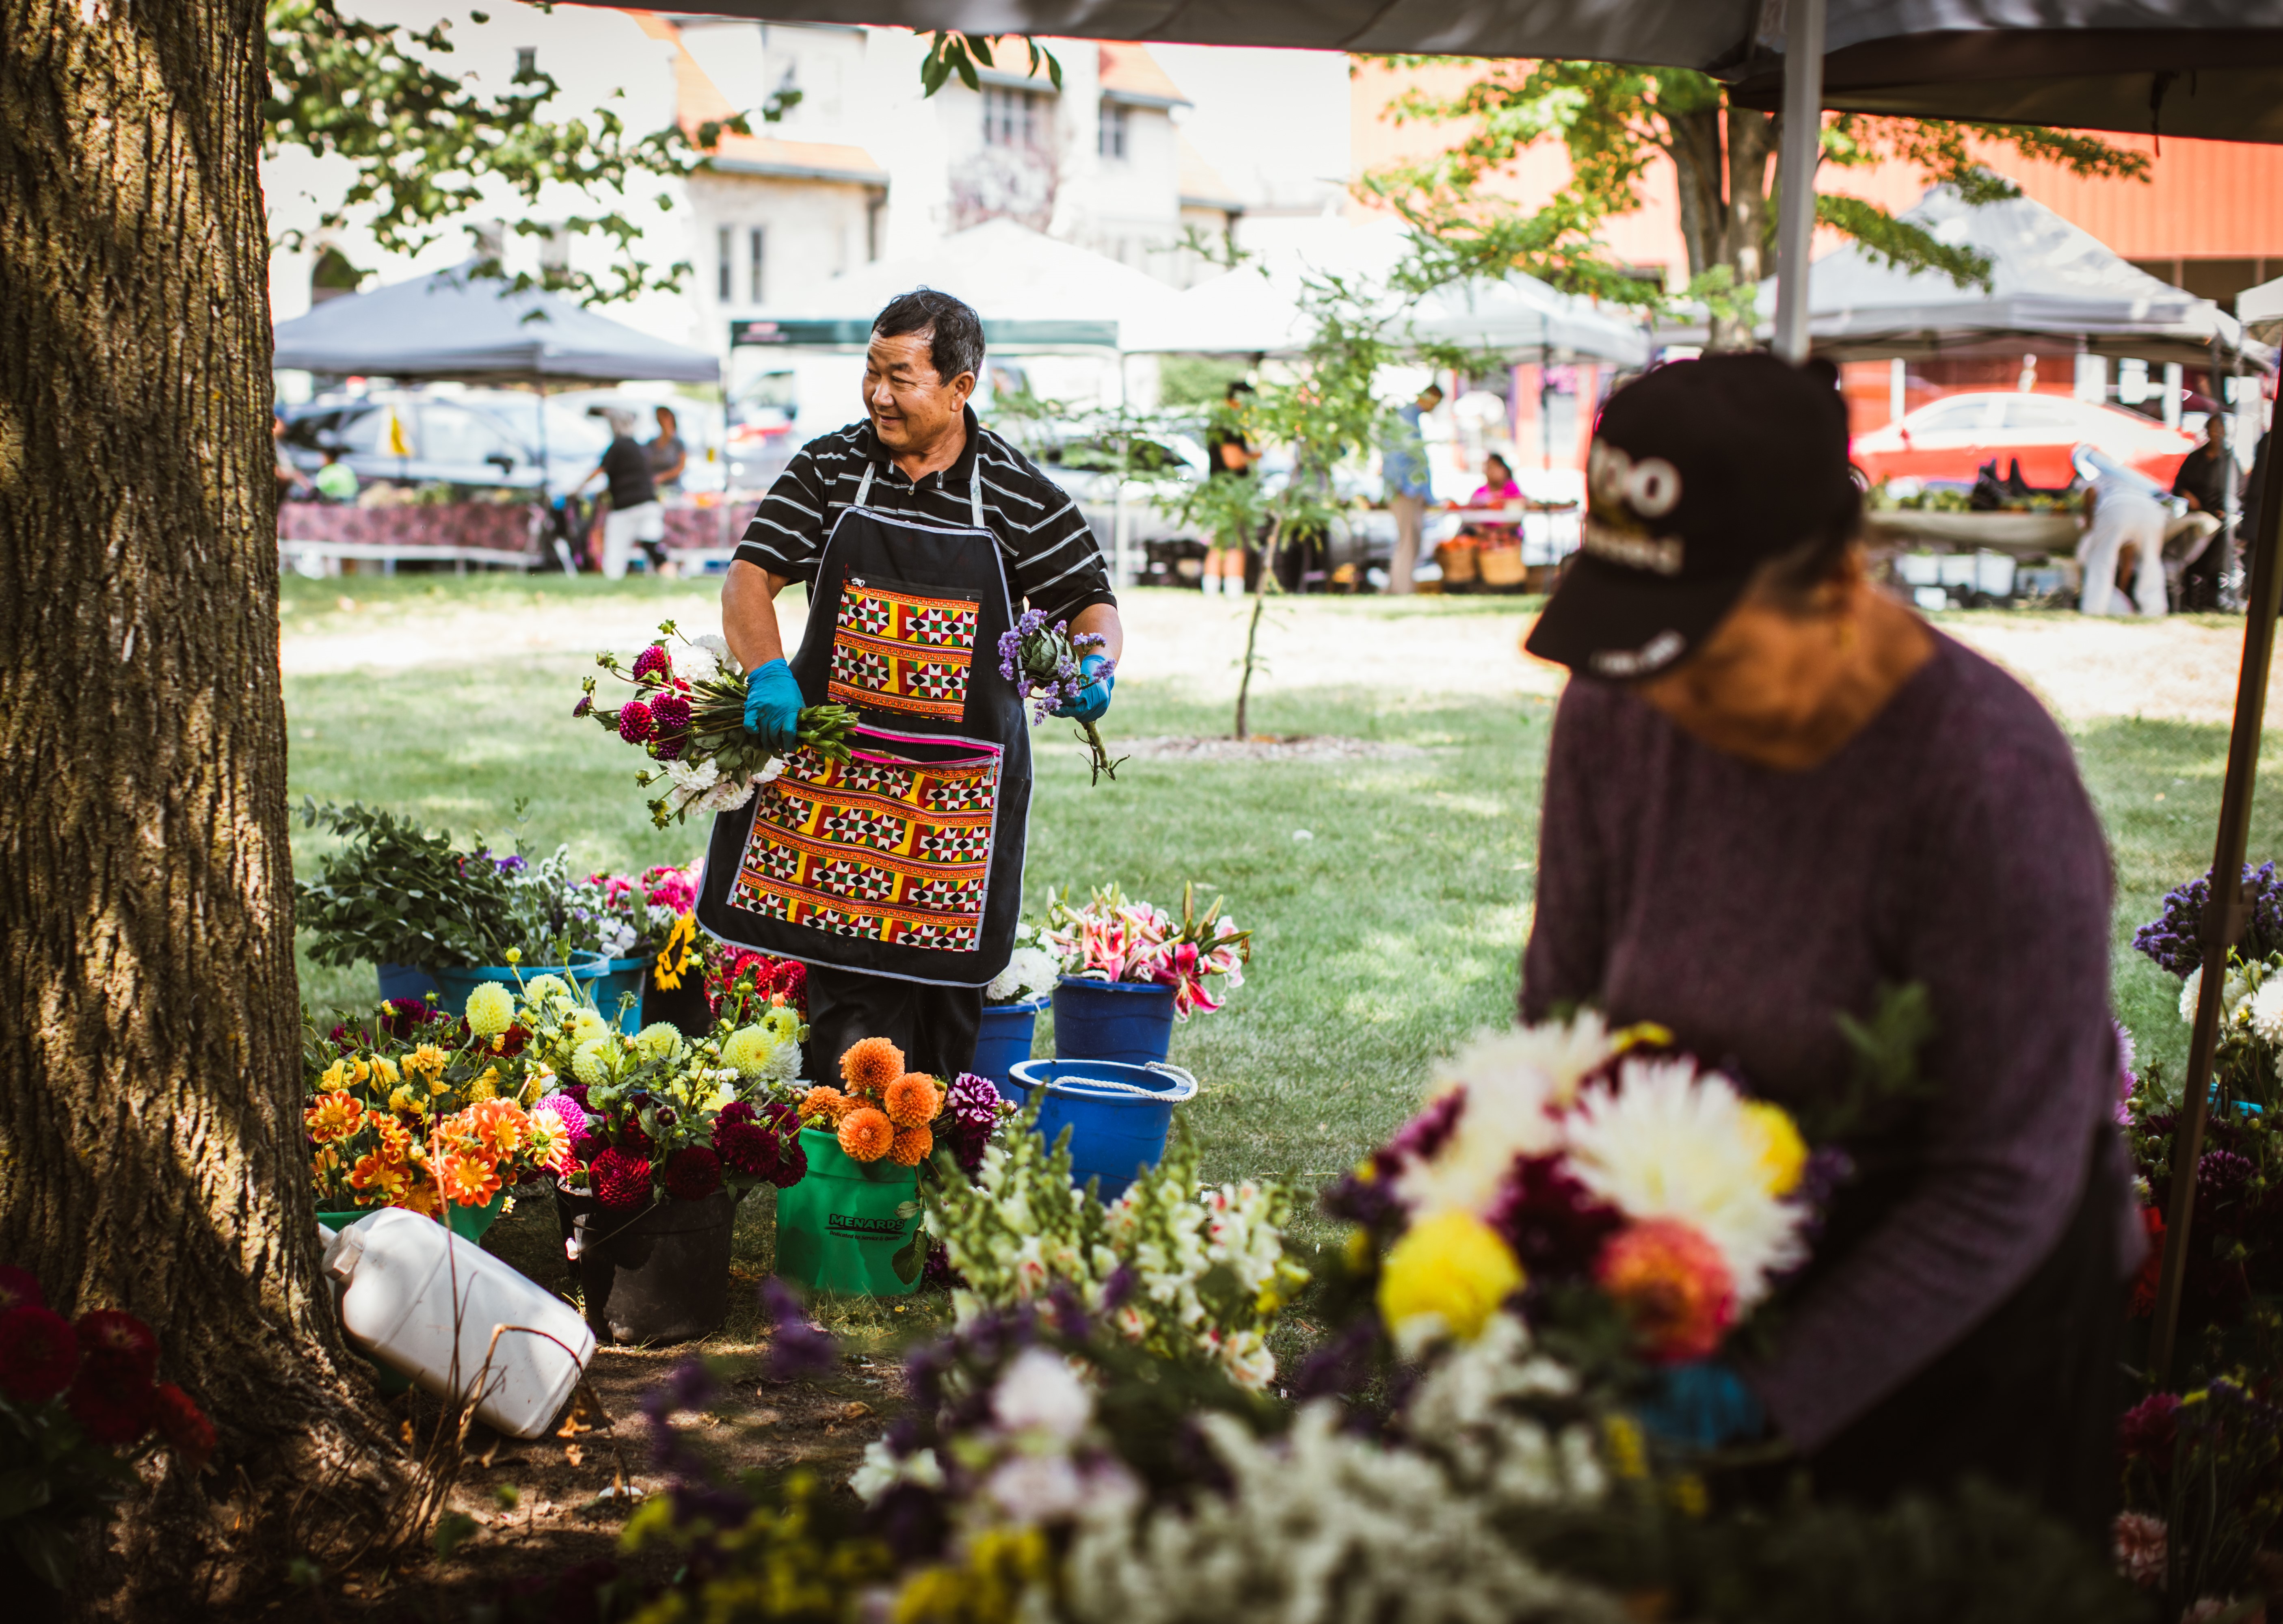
(2174, 938)
(971, 1112)
(1043, 661)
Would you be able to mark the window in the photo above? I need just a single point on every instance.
(1950, 418)
(753, 240)
(2034, 412)
(721, 285)
(1010, 118)
(1113, 129)
(452, 433)
(526, 61)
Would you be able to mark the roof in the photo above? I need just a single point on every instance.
(1131, 74)
(698, 101)
(1201, 184)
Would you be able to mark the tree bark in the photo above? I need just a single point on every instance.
(150, 1148)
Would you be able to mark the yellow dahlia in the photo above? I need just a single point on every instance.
(1448, 1273)
(491, 1009)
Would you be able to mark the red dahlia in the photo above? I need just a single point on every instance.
(747, 1147)
(621, 1178)
(792, 1164)
(635, 1140)
(38, 1352)
(692, 1174)
(790, 978)
(653, 661)
(19, 1288)
(118, 1347)
(183, 1425)
(112, 1415)
(670, 712)
(736, 1111)
(634, 724)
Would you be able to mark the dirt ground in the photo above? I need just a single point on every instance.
(2183, 668)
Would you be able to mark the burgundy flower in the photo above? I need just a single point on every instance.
(2221, 1174)
(118, 1347)
(2145, 1431)
(38, 1352)
(635, 1140)
(183, 1425)
(109, 1415)
(692, 1174)
(1553, 1224)
(1423, 1135)
(577, 1091)
(669, 749)
(747, 1147)
(586, 1147)
(586, 703)
(736, 1111)
(653, 661)
(621, 1178)
(19, 1288)
(670, 712)
(792, 1164)
(791, 979)
(634, 724)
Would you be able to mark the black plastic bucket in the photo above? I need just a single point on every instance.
(657, 1274)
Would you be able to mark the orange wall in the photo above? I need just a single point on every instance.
(2203, 200)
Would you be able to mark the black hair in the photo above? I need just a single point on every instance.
(668, 413)
(1501, 461)
(954, 330)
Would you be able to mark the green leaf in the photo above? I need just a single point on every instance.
(22, 1491)
(912, 1257)
(453, 1530)
(46, 1549)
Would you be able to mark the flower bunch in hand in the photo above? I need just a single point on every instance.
(1045, 661)
(687, 713)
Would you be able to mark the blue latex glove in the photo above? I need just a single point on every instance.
(1703, 1406)
(773, 707)
(1093, 698)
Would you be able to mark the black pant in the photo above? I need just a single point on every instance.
(2199, 580)
(2027, 1401)
(935, 1026)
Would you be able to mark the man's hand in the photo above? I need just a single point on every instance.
(773, 707)
(1094, 697)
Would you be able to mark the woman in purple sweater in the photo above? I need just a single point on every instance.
(1772, 791)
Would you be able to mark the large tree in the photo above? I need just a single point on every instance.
(150, 1148)
(1617, 123)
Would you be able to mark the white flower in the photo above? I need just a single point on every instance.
(1036, 1488)
(1030, 972)
(1670, 1143)
(1515, 1082)
(884, 1469)
(2267, 1012)
(702, 657)
(1040, 1391)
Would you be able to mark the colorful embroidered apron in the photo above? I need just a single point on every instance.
(907, 859)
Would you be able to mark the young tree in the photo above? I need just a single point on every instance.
(1618, 121)
(151, 1154)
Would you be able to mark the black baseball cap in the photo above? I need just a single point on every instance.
(1700, 473)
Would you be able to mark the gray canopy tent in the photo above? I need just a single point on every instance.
(2210, 69)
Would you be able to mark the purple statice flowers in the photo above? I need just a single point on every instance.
(2173, 938)
(1043, 661)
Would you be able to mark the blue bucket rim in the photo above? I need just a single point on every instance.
(1182, 1084)
(1034, 1004)
(1097, 985)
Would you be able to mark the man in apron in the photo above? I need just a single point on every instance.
(897, 876)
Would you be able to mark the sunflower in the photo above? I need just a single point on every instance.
(912, 1100)
(870, 1064)
(866, 1134)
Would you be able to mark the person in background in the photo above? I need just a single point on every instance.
(335, 481)
(1403, 465)
(2124, 540)
(1771, 792)
(1228, 456)
(1496, 490)
(2206, 475)
(290, 479)
(634, 515)
(667, 454)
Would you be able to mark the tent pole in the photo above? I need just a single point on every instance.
(2224, 910)
(1802, 142)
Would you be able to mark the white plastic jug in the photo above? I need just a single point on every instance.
(404, 1274)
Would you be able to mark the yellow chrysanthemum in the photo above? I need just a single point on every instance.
(1450, 1273)
(748, 1050)
(491, 1009)
(407, 1101)
(660, 1040)
(425, 1061)
(783, 1024)
(384, 1072)
(486, 1087)
(586, 1026)
(1783, 1153)
(544, 990)
(336, 1074)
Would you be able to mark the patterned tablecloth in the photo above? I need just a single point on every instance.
(503, 526)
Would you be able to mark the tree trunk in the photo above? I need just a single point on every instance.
(150, 1148)
(1744, 229)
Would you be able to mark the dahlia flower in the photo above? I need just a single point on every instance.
(491, 1009)
(1673, 1286)
(468, 1180)
(866, 1134)
(692, 1174)
(653, 661)
(619, 1178)
(38, 1352)
(334, 1116)
(912, 1100)
(911, 1147)
(746, 1147)
(1513, 1084)
(870, 1064)
(1448, 1273)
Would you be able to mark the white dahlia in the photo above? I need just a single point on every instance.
(1668, 1142)
(1515, 1082)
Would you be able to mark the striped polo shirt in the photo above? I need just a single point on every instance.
(1053, 560)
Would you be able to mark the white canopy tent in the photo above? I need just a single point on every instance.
(2260, 310)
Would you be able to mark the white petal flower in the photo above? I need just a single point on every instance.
(1515, 1082)
(1037, 1489)
(1040, 1392)
(2267, 1013)
(2189, 988)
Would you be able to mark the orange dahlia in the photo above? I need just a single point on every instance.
(1673, 1283)
(870, 1064)
(912, 1100)
(379, 1173)
(470, 1180)
(334, 1116)
(500, 1125)
(866, 1134)
(911, 1147)
(824, 1104)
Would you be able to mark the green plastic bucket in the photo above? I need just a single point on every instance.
(843, 1226)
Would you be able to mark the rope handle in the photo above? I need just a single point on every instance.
(1104, 1085)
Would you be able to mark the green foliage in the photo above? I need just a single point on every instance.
(397, 893)
(950, 52)
(53, 1478)
(1196, 380)
(425, 142)
(1616, 121)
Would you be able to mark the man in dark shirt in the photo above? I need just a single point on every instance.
(2205, 477)
(634, 514)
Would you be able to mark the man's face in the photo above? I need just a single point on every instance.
(1762, 674)
(1429, 399)
(911, 408)
(2216, 431)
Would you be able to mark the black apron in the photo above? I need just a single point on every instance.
(906, 860)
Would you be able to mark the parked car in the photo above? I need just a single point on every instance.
(1951, 439)
(488, 437)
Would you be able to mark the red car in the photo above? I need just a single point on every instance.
(1951, 439)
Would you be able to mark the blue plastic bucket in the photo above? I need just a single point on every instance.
(1119, 1114)
(1004, 1037)
(1127, 1021)
(604, 978)
(406, 982)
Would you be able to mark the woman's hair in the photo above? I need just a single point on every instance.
(665, 415)
(1790, 579)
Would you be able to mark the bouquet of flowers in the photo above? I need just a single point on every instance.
(1566, 1155)
(1043, 661)
(71, 1393)
(687, 713)
(880, 1110)
(1110, 938)
(415, 1109)
(736, 977)
(1031, 969)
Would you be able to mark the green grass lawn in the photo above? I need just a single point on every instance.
(1386, 938)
